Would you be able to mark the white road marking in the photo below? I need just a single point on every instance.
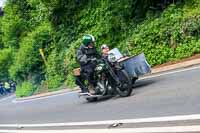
(170, 72)
(41, 98)
(173, 129)
(108, 122)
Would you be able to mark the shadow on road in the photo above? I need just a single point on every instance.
(142, 83)
(100, 99)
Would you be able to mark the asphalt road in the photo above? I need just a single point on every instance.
(166, 95)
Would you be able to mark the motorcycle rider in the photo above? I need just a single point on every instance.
(105, 49)
(2, 90)
(7, 86)
(86, 56)
(12, 86)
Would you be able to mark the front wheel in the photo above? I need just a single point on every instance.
(125, 87)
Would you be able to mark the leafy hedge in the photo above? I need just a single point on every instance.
(5, 62)
(55, 70)
(25, 89)
(172, 36)
(28, 61)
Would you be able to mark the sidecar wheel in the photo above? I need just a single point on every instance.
(134, 80)
(125, 88)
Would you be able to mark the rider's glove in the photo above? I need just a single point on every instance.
(93, 59)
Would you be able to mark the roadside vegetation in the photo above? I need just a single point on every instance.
(164, 31)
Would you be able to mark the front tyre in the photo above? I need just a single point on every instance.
(125, 87)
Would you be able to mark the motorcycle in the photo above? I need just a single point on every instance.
(112, 79)
(116, 75)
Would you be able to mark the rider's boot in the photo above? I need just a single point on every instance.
(91, 89)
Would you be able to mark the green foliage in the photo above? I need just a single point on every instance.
(71, 62)
(11, 29)
(5, 62)
(172, 36)
(55, 70)
(25, 89)
(1, 42)
(38, 13)
(28, 61)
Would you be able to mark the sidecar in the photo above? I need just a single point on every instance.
(135, 66)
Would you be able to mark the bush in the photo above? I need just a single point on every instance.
(5, 62)
(28, 61)
(174, 35)
(15, 22)
(71, 63)
(55, 70)
(25, 89)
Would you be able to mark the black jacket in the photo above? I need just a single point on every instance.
(85, 54)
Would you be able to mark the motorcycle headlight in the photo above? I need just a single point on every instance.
(99, 67)
(112, 58)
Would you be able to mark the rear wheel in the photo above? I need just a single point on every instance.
(125, 87)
